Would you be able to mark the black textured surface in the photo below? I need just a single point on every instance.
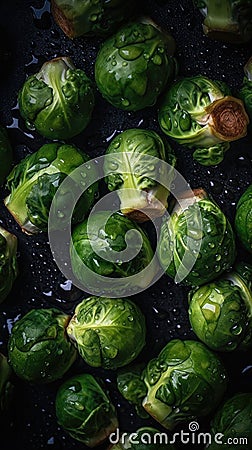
(29, 37)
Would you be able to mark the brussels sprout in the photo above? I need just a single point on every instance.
(132, 387)
(91, 17)
(220, 313)
(196, 243)
(233, 421)
(57, 101)
(6, 155)
(133, 166)
(34, 181)
(243, 219)
(245, 92)
(133, 66)
(8, 262)
(145, 438)
(185, 381)
(227, 20)
(108, 333)
(38, 348)
(84, 410)
(6, 385)
(100, 242)
(201, 114)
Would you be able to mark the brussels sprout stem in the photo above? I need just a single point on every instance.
(219, 23)
(228, 119)
(157, 409)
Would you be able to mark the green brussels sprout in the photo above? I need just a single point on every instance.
(227, 20)
(196, 243)
(243, 219)
(34, 181)
(132, 387)
(58, 101)
(99, 244)
(185, 381)
(201, 114)
(220, 312)
(108, 333)
(6, 385)
(133, 167)
(91, 17)
(133, 66)
(233, 421)
(38, 348)
(84, 410)
(8, 262)
(6, 155)
(245, 92)
(145, 438)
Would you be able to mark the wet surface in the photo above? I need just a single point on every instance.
(31, 37)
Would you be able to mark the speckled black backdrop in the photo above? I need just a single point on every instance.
(28, 38)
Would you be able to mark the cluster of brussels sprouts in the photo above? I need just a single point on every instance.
(197, 245)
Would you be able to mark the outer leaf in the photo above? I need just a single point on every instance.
(243, 219)
(8, 262)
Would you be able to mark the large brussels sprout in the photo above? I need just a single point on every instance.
(196, 243)
(39, 350)
(84, 410)
(227, 20)
(6, 155)
(133, 66)
(132, 387)
(185, 381)
(243, 219)
(145, 438)
(220, 312)
(34, 181)
(201, 114)
(233, 422)
(6, 385)
(91, 17)
(57, 101)
(245, 92)
(134, 166)
(108, 333)
(8, 262)
(100, 242)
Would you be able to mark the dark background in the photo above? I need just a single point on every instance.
(29, 37)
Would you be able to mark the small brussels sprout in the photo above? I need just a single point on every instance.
(133, 66)
(227, 20)
(108, 333)
(58, 101)
(196, 243)
(185, 381)
(145, 438)
(34, 181)
(100, 242)
(6, 385)
(220, 312)
(84, 410)
(8, 262)
(134, 167)
(201, 114)
(233, 421)
(91, 17)
(6, 155)
(38, 348)
(243, 219)
(132, 387)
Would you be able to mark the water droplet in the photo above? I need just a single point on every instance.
(236, 329)
(125, 102)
